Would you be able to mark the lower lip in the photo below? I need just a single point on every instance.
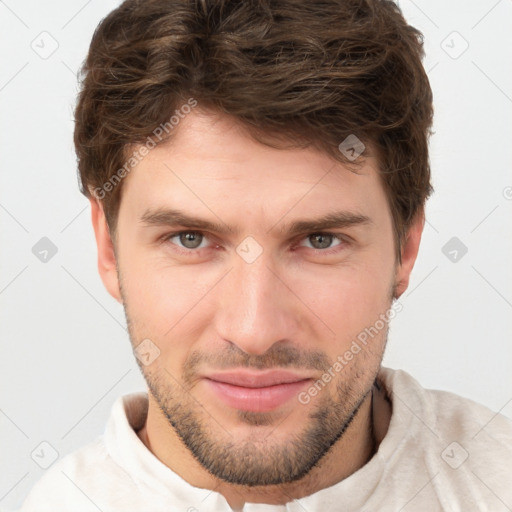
(256, 399)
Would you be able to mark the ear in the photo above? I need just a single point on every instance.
(106, 255)
(409, 252)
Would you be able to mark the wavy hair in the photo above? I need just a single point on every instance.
(309, 73)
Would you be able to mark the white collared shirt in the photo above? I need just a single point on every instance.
(441, 452)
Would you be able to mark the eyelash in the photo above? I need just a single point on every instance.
(166, 239)
(330, 250)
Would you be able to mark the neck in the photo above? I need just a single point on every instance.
(352, 451)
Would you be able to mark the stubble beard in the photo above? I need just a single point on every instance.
(258, 460)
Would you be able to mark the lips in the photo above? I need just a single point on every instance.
(260, 391)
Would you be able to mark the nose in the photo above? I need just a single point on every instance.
(255, 307)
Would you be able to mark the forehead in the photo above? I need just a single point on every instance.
(211, 159)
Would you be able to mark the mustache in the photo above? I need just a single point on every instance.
(278, 356)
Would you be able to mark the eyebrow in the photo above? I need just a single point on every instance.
(173, 217)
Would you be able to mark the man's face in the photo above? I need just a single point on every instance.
(246, 313)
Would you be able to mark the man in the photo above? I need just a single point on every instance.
(257, 173)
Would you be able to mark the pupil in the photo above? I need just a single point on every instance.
(321, 241)
(191, 240)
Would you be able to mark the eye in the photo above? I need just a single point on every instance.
(188, 239)
(322, 241)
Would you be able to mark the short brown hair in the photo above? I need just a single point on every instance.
(306, 72)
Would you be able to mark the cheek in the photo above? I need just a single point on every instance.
(163, 300)
(348, 299)
(157, 306)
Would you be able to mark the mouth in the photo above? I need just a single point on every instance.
(261, 391)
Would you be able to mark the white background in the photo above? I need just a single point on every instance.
(65, 350)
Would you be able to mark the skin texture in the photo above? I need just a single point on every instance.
(296, 306)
